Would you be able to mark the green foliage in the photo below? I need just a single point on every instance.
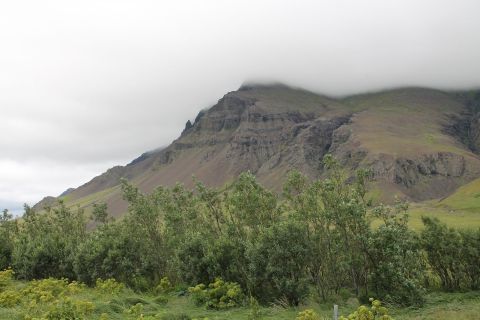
(470, 257)
(110, 286)
(46, 299)
(277, 263)
(192, 253)
(6, 277)
(135, 310)
(398, 267)
(308, 314)
(100, 212)
(454, 256)
(86, 303)
(165, 286)
(8, 228)
(337, 228)
(317, 239)
(254, 313)
(218, 295)
(249, 205)
(45, 244)
(9, 298)
(68, 309)
(375, 312)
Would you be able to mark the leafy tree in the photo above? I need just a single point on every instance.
(470, 253)
(8, 229)
(100, 212)
(45, 245)
(443, 247)
(397, 262)
(277, 263)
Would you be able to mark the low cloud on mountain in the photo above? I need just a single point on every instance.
(90, 84)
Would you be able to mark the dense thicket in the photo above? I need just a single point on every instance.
(314, 238)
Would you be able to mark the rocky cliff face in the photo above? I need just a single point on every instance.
(410, 138)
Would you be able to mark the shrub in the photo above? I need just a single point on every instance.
(6, 277)
(66, 308)
(45, 290)
(277, 263)
(110, 286)
(165, 286)
(218, 295)
(308, 314)
(375, 312)
(75, 287)
(470, 253)
(443, 247)
(398, 267)
(9, 298)
(135, 310)
(254, 313)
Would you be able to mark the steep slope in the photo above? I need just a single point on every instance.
(412, 139)
(407, 140)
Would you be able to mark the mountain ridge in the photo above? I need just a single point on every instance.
(412, 138)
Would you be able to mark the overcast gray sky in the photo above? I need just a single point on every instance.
(85, 85)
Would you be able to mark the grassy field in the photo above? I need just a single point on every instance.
(50, 299)
(459, 210)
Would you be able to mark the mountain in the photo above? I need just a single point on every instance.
(420, 143)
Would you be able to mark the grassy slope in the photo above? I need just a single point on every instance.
(441, 306)
(404, 121)
(466, 198)
(460, 210)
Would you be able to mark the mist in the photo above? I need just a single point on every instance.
(91, 84)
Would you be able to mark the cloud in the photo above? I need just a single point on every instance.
(85, 85)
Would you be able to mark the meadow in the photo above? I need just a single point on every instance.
(58, 299)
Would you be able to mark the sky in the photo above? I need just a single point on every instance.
(86, 85)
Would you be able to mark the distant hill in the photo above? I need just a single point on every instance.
(420, 143)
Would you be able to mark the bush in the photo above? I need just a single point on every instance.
(9, 298)
(254, 313)
(110, 286)
(45, 244)
(135, 310)
(165, 286)
(375, 312)
(46, 290)
(398, 264)
(454, 256)
(308, 314)
(277, 263)
(66, 308)
(218, 295)
(6, 277)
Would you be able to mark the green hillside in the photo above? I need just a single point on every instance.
(465, 199)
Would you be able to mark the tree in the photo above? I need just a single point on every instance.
(46, 243)
(397, 261)
(100, 212)
(8, 229)
(277, 263)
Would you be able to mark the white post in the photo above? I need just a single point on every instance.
(335, 312)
